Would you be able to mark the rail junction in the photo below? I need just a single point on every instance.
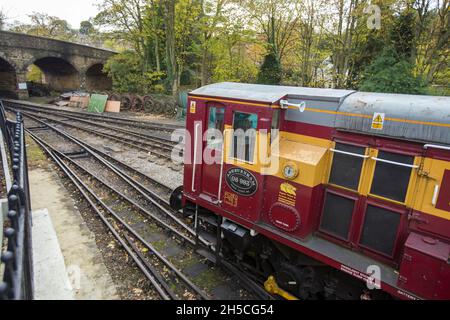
(132, 205)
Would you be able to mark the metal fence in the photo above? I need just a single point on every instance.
(16, 269)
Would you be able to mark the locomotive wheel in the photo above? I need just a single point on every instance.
(299, 281)
(170, 110)
(158, 107)
(138, 104)
(176, 198)
(125, 102)
(288, 278)
(149, 104)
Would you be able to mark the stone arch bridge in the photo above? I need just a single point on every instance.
(65, 65)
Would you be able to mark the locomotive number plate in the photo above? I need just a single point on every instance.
(241, 181)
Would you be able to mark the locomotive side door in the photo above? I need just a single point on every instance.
(242, 184)
(213, 149)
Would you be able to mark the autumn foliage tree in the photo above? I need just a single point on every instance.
(355, 44)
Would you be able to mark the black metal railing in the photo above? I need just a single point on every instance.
(16, 282)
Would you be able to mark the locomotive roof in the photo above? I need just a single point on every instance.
(268, 93)
(418, 117)
(415, 117)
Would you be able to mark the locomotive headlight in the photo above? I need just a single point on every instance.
(290, 171)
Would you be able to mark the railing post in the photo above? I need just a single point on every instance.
(17, 279)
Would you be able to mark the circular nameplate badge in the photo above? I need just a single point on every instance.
(241, 181)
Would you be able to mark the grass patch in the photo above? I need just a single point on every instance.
(208, 279)
(40, 100)
(185, 261)
(159, 245)
(35, 156)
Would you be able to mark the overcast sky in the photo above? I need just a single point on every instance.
(74, 11)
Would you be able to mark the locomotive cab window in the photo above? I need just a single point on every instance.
(215, 127)
(392, 174)
(347, 164)
(244, 136)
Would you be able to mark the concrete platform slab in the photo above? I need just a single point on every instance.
(83, 261)
(50, 276)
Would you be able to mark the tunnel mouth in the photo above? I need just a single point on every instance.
(58, 74)
(8, 80)
(96, 79)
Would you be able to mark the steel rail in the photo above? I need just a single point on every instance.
(166, 143)
(155, 272)
(110, 158)
(121, 140)
(131, 201)
(161, 204)
(152, 138)
(80, 185)
(161, 257)
(248, 282)
(134, 203)
(106, 118)
(133, 170)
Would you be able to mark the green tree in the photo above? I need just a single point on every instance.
(431, 47)
(86, 28)
(34, 74)
(270, 72)
(46, 26)
(213, 15)
(125, 20)
(125, 69)
(3, 19)
(235, 51)
(402, 34)
(391, 73)
(276, 20)
(171, 54)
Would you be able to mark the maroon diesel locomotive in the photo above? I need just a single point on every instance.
(333, 194)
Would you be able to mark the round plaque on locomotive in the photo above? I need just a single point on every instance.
(241, 181)
(284, 217)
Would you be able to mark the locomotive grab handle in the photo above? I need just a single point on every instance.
(219, 193)
(435, 146)
(350, 153)
(195, 157)
(435, 195)
(396, 163)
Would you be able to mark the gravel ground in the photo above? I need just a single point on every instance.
(130, 283)
(218, 284)
(161, 170)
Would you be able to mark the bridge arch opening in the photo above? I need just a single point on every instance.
(58, 74)
(96, 79)
(8, 80)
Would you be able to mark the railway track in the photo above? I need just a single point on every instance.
(141, 143)
(149, 125)
(158, 134)
(132, 207)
